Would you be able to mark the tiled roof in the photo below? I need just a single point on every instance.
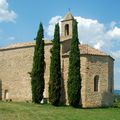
(86, 49)
(22, 45)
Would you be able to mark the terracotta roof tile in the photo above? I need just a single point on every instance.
(21, 45)
(86, 49)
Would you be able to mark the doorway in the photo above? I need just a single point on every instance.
(6, 95)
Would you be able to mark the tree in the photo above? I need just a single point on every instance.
(55, 70)
(74, 78)
(37, 74)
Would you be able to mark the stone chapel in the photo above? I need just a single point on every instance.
(97, 70)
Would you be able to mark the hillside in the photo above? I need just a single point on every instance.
(117, 92)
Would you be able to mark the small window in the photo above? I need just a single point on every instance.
(6, 96)
(66, 30)
(96, 83)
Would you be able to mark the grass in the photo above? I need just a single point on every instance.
(29, 111)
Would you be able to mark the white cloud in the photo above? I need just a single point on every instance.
(6, 14)
(52, 22)
(89, 31)
(116, 54)
(92, 32)
(99, 44)
(114, 33)
(112, 24)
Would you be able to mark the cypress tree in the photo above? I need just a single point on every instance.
(74, 78)
(55, 70)
(37, 75)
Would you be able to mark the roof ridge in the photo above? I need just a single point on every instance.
(23, 44)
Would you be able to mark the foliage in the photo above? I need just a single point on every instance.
(37, 75)
(117, 97)
(116, 100)
(55, 70)
(74, 78)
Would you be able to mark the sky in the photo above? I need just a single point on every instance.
(98, 23)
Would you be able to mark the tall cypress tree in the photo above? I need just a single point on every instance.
(55, 70)
(37, 75)
(74, 78)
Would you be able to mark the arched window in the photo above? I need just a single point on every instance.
(66, 30)
(6, 96)
(96, 83)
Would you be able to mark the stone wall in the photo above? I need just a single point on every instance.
(15, 65)
(91, 66)
(103, 67)
(65, 47)
(47, 69)
(65, 66)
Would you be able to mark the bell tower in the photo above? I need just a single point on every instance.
(66, 27)
(66, 32)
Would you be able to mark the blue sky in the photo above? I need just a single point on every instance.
(98, 23)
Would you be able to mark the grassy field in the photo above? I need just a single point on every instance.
(29, 111)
